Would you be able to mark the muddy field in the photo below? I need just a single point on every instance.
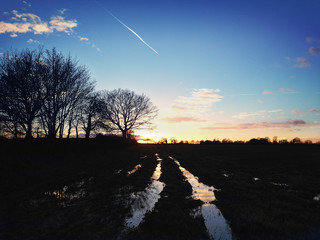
(91, 190)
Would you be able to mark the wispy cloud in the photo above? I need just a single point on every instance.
(14, 35)
(26, 3)
(314, 110)
(83, 39)
(312, 39)
(302, 62)
(288, 124)
(200, 100)
(267, 92)
(286, 90)
(181, 119)
(259, 113)
(62, 11)
(314, 51)
(62, 25)
(33, 41)
(296, 112)
(259, 101)
(28, 22)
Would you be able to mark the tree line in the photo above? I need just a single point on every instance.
(252, 141)
(46, 94)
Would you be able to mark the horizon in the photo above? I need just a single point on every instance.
(232, 70)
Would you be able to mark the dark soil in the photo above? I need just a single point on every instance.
(279, 205)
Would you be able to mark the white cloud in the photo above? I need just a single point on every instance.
(259, 113)
(62, 11)
(28, 4)
(62, 25)
(199, 100)
(33, 41)
(83, 39)
(302, 62)
(14, 35)
(33, 23)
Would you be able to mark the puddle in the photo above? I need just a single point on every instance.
(316, 198)
(136, 167)
(227, 174)
(280, 184)
(68, 193)
(216, 224)
(200, 191)
(143, 202)
(256, 179)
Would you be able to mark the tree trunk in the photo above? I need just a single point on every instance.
(69, 128)
(124, 134)
(29, 130)
(77, 133)
(88, 129)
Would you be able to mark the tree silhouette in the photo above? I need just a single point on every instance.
(40, 88)
(65, 85)
(20, 90)
(91, 114)
(125, 110)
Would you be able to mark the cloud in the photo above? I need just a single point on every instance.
(314, 110)
(288, 124)
(200, 99)
(243, 115)
(267, 92)
(62, 25)
(312, 39)
(83, 39)
(181, 119)
(314, 51)
(176, 107)
(28, 4)
(286, 90)
(62, 11)
(14, 35)
(32, 23)
(33, 41)
(302, 62)
(287, 58)
(296, 112)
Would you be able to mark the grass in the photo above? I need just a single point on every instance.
(278, 206)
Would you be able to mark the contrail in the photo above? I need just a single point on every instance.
(136, 34)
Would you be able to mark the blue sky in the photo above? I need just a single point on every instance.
(225, 69)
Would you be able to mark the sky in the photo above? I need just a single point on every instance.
(215, 69)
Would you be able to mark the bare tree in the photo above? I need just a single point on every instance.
(21, 99)
(91, 114)
(66, 85)
(125, 110)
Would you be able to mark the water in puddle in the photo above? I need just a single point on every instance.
(280, 184)
(69, 193)
(136, 167)
(216, 224)
(143, 202)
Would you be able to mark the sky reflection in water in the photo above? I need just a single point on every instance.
(216, 224)
(143, 202)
